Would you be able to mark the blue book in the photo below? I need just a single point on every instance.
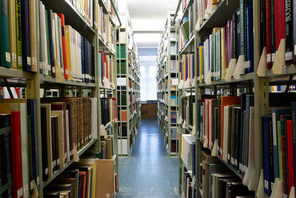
(266, 155)
(193, 158)
(249, 39)
(26, 48)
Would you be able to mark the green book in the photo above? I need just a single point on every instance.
(280, 149)
(4, 35)
(19, 51)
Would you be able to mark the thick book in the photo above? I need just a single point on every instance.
(16, 154)
(33, 34)
(51, 43)
(290, 154)
(65, 60)
(268, 34)
(4, 35)
(32, 112)
(279, 15)
(12, 33)
(26, 45)
(289, 19)
(44, 127)
(266, 154)
(19, 44)
(249, 39)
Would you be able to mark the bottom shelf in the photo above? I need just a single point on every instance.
(58, 172)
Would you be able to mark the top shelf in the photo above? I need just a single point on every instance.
(220, 16)
(72, 16)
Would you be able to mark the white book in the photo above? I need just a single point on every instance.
(226, 132)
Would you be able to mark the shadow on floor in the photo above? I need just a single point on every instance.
(148, 172)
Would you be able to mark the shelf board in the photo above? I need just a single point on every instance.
(243, 78)
(189, 47)
(235, 171)
(48, 80)
(103, 45)
(13, 73)
(58, 172)
(219, 17)
(286, 71)
(72, 16)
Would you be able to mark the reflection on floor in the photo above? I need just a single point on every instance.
(148, 172)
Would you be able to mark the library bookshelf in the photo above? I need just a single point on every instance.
(258, 84)
(35, 83)
(167, 85)
(128, 86)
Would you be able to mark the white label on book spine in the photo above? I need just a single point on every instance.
(20, 60)
(235, 161)
(289, 56)
(19, 192)
(32, 185)
(220, 150)
(14, 57)
(7, 56)
(53, 70)
(46, 171)
(247, 64)
(38, 181)
(228, 156)
(272, 57)
(268, 58)
(58, 162)
(54, 163)
(29, 60)
(174, 82)
(266, 184)
(295, 50)
(34, 60)
(26, 189)
(240, 167)
(232, 160)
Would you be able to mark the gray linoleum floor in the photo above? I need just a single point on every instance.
(148, 172)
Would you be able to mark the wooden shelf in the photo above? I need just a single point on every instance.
(58, 172)
(50, 81)
(13, 73)
(220, 16)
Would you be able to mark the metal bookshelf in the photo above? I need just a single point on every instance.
(128, 88)
(167, 82)
(34, 81)
(259, 82)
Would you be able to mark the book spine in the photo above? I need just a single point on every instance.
(290, 154)
(284, 156)
(5, 60)
(289, 30)
(19, 34)
(268, 33)
(26, 48)
(273, 24)
(12, 32)
(294, 31)
(51, 43)
(266, 154)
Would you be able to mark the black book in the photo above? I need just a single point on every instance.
(51, 43)
(26, 48)
(237, 33)
(55, 145)
(262, 25)
(32, 111)
(237, 136)
(44, 144)
(289, 30)
(83, 61)
(294, 31)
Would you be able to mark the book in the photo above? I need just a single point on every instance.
(26, 45)
(12, 33)
(5, 60)
(18, 12)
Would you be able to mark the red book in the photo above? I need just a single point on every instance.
(268, 34)
(64, 46)
(106, 66)
(290, 154)
(279, 15)
(16, 154)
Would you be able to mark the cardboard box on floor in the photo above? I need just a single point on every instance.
(104, 183)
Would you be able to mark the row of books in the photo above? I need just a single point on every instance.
(105, 27)
(278, 15)
(228, 122)
(187, 68)
(106, 68)
(19, 147)
(87, 178)
(217, 181)
(108, 110)
(189, 110)
(88, 9)
(278, 140)
(205, 9)
(107, 149)
(226, 44)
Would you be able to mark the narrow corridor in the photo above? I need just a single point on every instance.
(148, 172)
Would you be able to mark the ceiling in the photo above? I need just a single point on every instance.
(148, 19)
